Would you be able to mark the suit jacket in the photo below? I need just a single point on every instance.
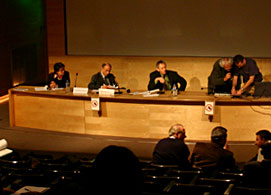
(257, 174)
(60, 82)
(173, 77)
(207, 155)
(171, 152)
(97, 81)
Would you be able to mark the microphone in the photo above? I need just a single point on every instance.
(119, 92)
(75, 79)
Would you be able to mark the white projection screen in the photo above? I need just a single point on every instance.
(169, 27)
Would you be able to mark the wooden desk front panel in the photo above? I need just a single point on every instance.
(66, 115)
(137, 118)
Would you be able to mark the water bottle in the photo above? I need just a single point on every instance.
(67, 86)
(174, 90)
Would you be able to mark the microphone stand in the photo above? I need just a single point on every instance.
(118, 92)
(75, 79)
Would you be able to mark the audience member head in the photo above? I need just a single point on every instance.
(239, 60)
(226, 63)
(106, 69)
(266, 150)
(59, 69)
(219, 135)
(117, 169)
(262, 136)
(178, 131)
(161, 67)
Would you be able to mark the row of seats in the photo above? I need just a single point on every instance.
(72, 175)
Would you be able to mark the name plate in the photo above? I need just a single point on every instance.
(80, 90)
(106, 92)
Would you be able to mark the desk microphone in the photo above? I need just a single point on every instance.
(119, 92)
(75, 79)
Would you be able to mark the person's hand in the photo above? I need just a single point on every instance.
(239, 92)
(233, 91)
(53, 85)
(227, 77)
(106, 87)
(160, 79)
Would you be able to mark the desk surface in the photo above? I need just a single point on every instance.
(186, 97)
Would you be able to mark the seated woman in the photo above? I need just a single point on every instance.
(59, 77)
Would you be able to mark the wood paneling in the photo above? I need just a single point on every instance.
(133, 72)
(140, 118)
(55, 27)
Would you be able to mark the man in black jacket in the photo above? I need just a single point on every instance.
(220, 79)
(172, 150)
(103, 79)
(164, 79)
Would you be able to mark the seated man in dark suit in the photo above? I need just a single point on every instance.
(212, 156)
(59, 77)
(103, 79)
(257, 174)
(164, 79)
(172, 150)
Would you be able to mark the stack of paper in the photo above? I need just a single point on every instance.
(3, 148)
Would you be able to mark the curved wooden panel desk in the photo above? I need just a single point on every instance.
(136, 116)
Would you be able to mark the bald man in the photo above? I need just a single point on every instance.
(173, 150)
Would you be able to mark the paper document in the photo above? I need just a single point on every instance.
(20, 89)
(151, 95)
(57, 89)
(33, 189)
(3, 148)
(145, 92)
(41, 88)
(222, 94)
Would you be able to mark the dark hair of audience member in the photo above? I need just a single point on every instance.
(219, 135)
(264, 134)
(266, 150)
(117, 170)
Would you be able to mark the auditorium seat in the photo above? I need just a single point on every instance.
(187, 189)
(250, 191)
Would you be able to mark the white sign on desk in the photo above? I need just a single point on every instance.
(80, 90)
(106, 92)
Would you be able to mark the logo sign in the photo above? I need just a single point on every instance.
(209, 108)
(95, 104)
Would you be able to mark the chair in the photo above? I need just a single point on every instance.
(157, 184)
(250, 191)
(223, 186)
(187, 189)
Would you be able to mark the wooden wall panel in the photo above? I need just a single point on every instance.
(49, 114)
(55, 27)
(133, 72)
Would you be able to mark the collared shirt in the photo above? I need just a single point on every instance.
(105, 79)
(167, 84)
(172, 137)
(260, 156)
